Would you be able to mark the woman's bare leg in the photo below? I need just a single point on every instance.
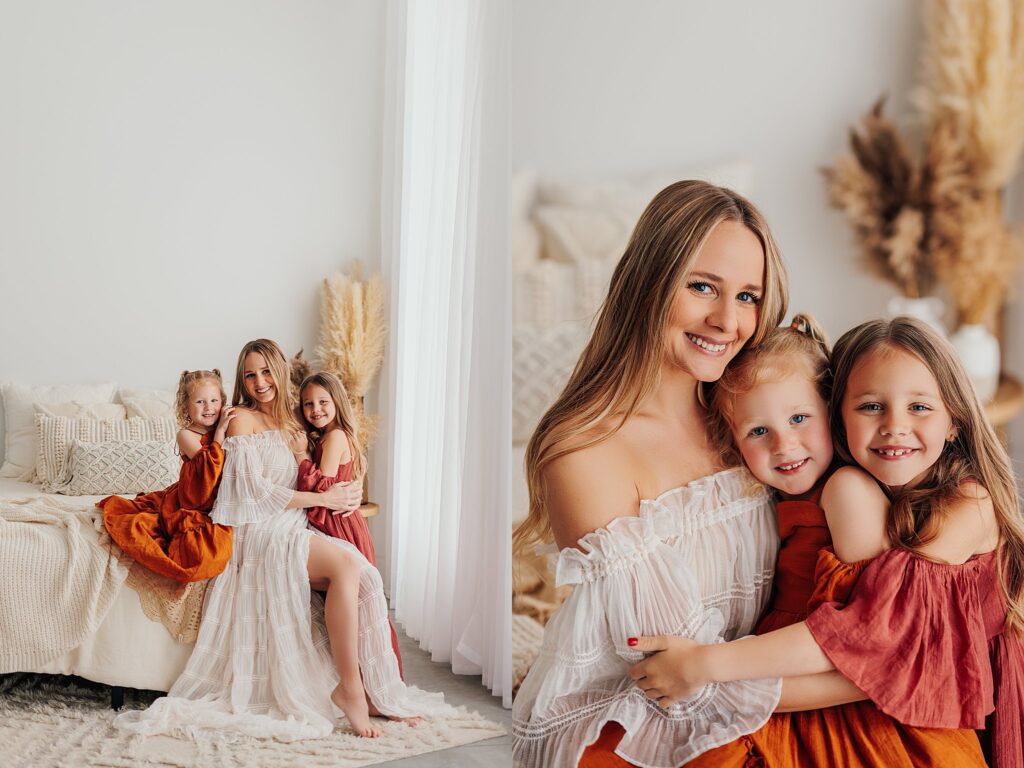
(339, 571)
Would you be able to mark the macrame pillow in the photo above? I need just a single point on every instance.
(542, 359)
(55, 434)
(121, 466)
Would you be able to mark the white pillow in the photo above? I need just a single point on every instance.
(74, 410)
(120, 466)
(148, 408)
(577, 234)
(56, 433)
(542, 360)
(20, 431)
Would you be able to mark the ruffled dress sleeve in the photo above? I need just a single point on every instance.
(312, 479)
(200, 476)
(639, 577)
(914, 637)
(251, 487)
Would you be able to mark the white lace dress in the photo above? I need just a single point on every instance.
(697, 562)
(262, 662)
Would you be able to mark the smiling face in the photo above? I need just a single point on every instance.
(257, 379)
(204, 404)
(318, 406)
(715, 312)
(897, 424)
(781, 430)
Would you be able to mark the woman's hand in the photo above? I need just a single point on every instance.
(299, 444)
(344, 498)
(227, 413)
(675, 670)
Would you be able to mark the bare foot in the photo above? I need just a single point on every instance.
(353, 704)
(374, 712)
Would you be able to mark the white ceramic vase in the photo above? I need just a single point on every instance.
(979, 352)
(928, 309)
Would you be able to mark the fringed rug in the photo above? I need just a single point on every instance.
(67, 723)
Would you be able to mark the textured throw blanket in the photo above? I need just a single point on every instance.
(59, 575)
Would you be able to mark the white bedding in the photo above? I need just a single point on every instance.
(128, 649)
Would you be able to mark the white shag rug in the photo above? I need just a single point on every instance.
(56, 722)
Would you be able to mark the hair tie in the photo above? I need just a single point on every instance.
(800, 325)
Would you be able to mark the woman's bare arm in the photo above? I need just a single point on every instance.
(828, 689)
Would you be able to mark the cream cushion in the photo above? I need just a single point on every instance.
(20, 430)
(55, 435)
(542, 360)
(121, 466)
(148, 403)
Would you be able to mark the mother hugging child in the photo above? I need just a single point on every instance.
(272, 658)
(890, 647)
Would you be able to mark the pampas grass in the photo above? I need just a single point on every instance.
(940, 219)
(352, 336)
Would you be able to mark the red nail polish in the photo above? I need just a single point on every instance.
(631, 641)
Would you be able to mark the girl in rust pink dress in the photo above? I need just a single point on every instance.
(930, 629)
(330, 420)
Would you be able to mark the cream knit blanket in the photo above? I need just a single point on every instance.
(59, 575)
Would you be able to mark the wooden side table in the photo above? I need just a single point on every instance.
(1008, 402)
(369, 509)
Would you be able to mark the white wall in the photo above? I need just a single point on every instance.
(177, 176)
(601, 88)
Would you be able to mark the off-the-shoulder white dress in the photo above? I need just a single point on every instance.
(697, 562)
(262, 662)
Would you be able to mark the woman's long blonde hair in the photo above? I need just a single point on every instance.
(283, 408)
(344, 415)
(975, 452)
(620, 365)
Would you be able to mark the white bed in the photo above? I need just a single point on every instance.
(128, 649)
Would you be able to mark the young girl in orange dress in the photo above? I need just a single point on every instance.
(919, 606)
(170, 531)
(330, 421)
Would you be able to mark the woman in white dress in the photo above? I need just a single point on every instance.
(268, 662)
(656, 536)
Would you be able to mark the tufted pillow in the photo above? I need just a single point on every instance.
(542, 360)
(55, 435)
(19, 428)
(121, 466)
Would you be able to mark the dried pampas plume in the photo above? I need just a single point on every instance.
(878, 187)
(300, 368)
(352, 335)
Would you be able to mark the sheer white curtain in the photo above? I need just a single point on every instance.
(447, 382)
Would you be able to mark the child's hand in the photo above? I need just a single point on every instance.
(226, 415)
(344, 497)
(675, 670)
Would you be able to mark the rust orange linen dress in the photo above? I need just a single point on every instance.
(170, 531)
(854, 735)
(352, 529)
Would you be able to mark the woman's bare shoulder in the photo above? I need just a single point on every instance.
(245, 422)
(588, 488)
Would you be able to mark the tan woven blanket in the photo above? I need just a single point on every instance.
(179, 607)
(59, 576)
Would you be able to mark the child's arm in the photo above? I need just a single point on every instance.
(856, 510)
(226, 415)
(828, 689)
(680, 667)
(189, 443)
(335, 452)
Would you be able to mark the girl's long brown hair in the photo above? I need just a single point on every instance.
(975, 453)
(345, 416)
(620, 365)
(283, 408)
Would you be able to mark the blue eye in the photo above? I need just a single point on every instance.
(701, 287)
(749, 298)
(871, 407)
(758, 431)
(919, 407)
(800, 418)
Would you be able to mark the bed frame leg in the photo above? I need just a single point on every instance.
(116, 697)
